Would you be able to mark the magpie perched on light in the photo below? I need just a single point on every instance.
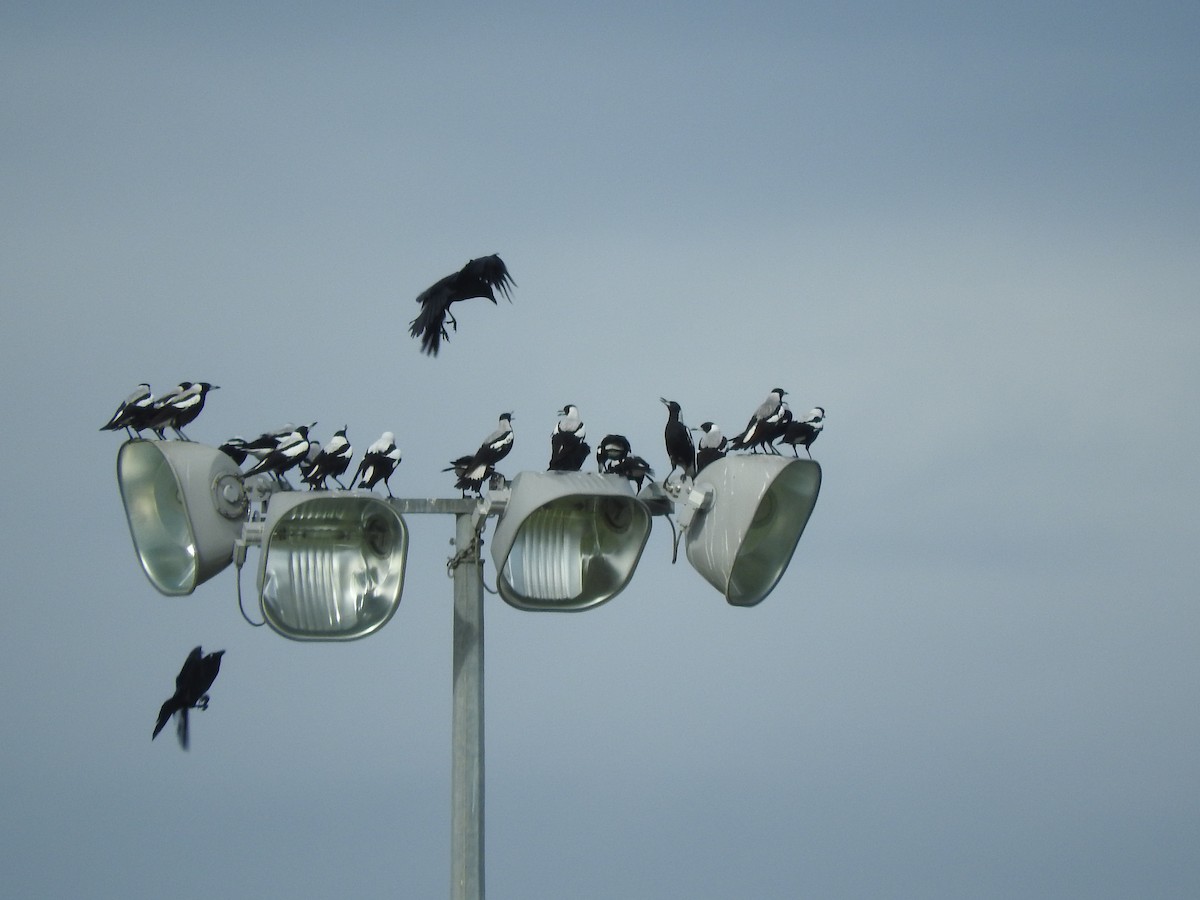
(711, 447)
(757, 429)
(611, 450)
(330, 462)
(802, 432)
(191, 691)
(378, 463)
(473, 470)
(568, 449)
(132, 412)
(634, 468)
(480, 277)
(681, 451)
(289, 453)
(178, 408)
(774, 427)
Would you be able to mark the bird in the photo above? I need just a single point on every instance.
(287, 455)
(480, 277)
(568, 449)
(472, 470)
(132, 412)
(757, 428)
(634, 468)
(191, 691)
(802, 432)
(774, 427)
(378, 463)
(333, 460)
(681, 451)
(178, 408)
(611, 450)
(711, 447)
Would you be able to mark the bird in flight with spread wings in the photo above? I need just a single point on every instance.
(480, 277)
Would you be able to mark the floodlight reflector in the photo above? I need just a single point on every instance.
(743, 542)
(568, 541)
(332, 567)
(185, 505)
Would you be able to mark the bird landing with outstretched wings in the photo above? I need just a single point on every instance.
(480, 277)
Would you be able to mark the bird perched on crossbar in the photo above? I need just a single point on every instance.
(473, 470)
(191, 691)
(480, 277)
(378, 463)
(287, 455)
(333, 460)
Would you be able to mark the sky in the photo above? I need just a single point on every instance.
(968, 231)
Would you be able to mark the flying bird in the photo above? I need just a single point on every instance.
(191, 691)
(711, 447)
(568, 449)
(287, 455)
(473, 470)
(681, 451)
(480, 277)
(758, 429)
(378, 463)
(802, 432)
(132, 412)
(333, 460)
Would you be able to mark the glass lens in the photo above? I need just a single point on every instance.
(158, 520)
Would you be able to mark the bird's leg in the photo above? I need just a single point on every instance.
(202, 703)
(453, 321)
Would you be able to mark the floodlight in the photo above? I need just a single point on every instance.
(185, 504)
(746, 528)
(568, 540)
(332, 565)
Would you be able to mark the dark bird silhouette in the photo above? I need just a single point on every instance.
(681, 451)
(132, 412)
(711, 447)
(287, 455)
(191, 692)
(568, 449)
(802, 432)
(480, 277)
(757, 430)
(378, 463)
(611, 450)
(330, 462)
(473, 470)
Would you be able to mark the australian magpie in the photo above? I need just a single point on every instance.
(802, 432)
(287, 455)
(473, 470)
(480, 277)
(681, 451)
(132, 412)
(611, 450)
(711, 447)
(378, 463)
(333, 460)
(178, 408)
(568, 449)
(758, 428)
(191, 691)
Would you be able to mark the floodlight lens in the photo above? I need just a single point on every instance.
(772, 537)
(158, 519)
(333, 568)
(576, 551)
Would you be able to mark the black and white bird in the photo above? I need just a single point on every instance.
(378, 463)
(568, 449)
(681, 450)
(287, 455)
(711, 446)
(774, 428)
(758, 429)
(611, 450)
(191, 692)
(480, 277)
(802, 432)
(132, 413)
(331, 462)
(178, 408)
(473, 470)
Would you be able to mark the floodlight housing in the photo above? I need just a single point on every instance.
(745, 533)
(332, 566)
(185, 504)
(568, 541)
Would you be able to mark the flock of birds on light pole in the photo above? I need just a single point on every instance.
(289, 448)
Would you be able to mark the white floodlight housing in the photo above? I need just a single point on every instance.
(568, 541)
(185, 504)
(755, 509)
(332, 565)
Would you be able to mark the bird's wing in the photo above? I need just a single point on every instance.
(492, 271)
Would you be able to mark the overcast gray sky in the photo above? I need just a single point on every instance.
(969, 231)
